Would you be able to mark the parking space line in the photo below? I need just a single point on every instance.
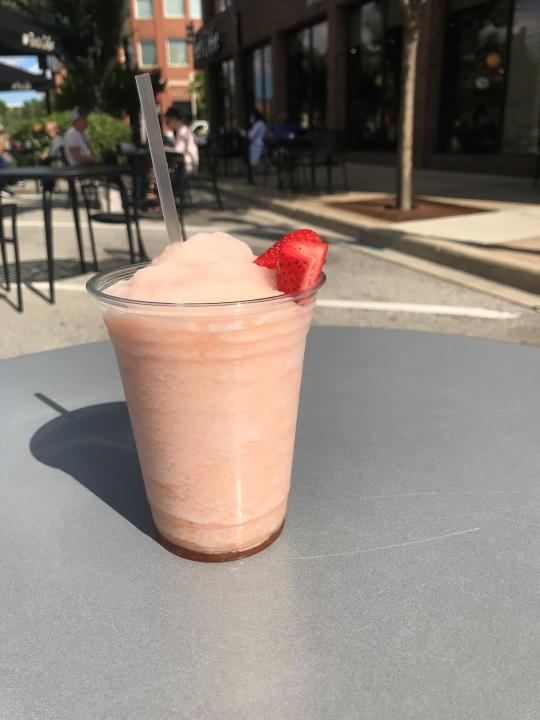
(365, 305)
(418, 309)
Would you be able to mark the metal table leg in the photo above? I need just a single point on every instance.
(75, 207)
(47, 219)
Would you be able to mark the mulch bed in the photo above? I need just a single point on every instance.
(383, 208)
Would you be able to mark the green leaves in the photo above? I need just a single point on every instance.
(90, 33)
(106, 132)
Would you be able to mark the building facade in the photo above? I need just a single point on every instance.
(337, 64)
(159, 38)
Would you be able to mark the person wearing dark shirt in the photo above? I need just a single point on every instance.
(285, 129)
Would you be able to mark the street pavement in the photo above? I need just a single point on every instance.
(366, 287)
(502, 244)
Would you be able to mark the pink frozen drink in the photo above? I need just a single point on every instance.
(210, 351)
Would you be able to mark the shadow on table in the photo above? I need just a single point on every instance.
(95, 446)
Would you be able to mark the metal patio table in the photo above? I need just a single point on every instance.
(46, 176)
(405, 584)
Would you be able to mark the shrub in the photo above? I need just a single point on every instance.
(62, 118)
(106, 132)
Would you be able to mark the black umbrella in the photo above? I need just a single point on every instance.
(21, 36)
(12, 78)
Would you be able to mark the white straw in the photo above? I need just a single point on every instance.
(161, 170)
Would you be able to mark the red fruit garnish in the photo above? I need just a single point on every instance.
(301, 236)
(269, 258)
(299, 265)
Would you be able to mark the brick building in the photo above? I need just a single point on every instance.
(159, 33)
(337, 64)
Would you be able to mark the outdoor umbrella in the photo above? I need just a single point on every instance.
(12, 78)
(21, 36)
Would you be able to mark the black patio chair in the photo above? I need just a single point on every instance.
(325, 150)
(5, 210)
(290, 157)
(128, 215)
(207, 173)
(51, 186)
(230, 148)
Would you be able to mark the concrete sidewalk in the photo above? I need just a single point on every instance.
(502, 244)
(366, 287)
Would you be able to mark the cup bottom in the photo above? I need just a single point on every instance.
(218, 557)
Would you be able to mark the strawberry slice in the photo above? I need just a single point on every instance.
(269, 258)
(299, 265)
(301, 236)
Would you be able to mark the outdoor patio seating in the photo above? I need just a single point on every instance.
(231, 153)
(322, 149)
(112, 202)
(207, 173)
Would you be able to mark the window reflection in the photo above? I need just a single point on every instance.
(260, 85)
(307, 60)
(475, 66)
(522, 110)
(374, 68)
(226, 95)
(220, 6)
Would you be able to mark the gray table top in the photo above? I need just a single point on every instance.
(45, 172)
(405, 585)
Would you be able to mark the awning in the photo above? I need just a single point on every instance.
(21, 36)
(12, 78)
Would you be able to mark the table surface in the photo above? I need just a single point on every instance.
(405, 585)
(44, 172)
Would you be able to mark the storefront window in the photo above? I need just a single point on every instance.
(220, 6)
(474, 76)
(374, 69)
(227, 110)
(260, 81)
(522, 112)
(307, 76)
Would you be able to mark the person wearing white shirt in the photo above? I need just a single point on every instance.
(184, 140)
(257, 135)
(77, 142)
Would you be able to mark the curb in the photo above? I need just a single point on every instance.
(444, 252)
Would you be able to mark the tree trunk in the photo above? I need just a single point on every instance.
(411, 33)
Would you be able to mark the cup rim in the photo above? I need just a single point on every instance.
(93, 289)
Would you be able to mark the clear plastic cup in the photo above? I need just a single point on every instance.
(212, 391)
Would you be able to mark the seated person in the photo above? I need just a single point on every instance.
(5, 161)
(77, 142)
(285, 129)
(182, 140)
(257, 137)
